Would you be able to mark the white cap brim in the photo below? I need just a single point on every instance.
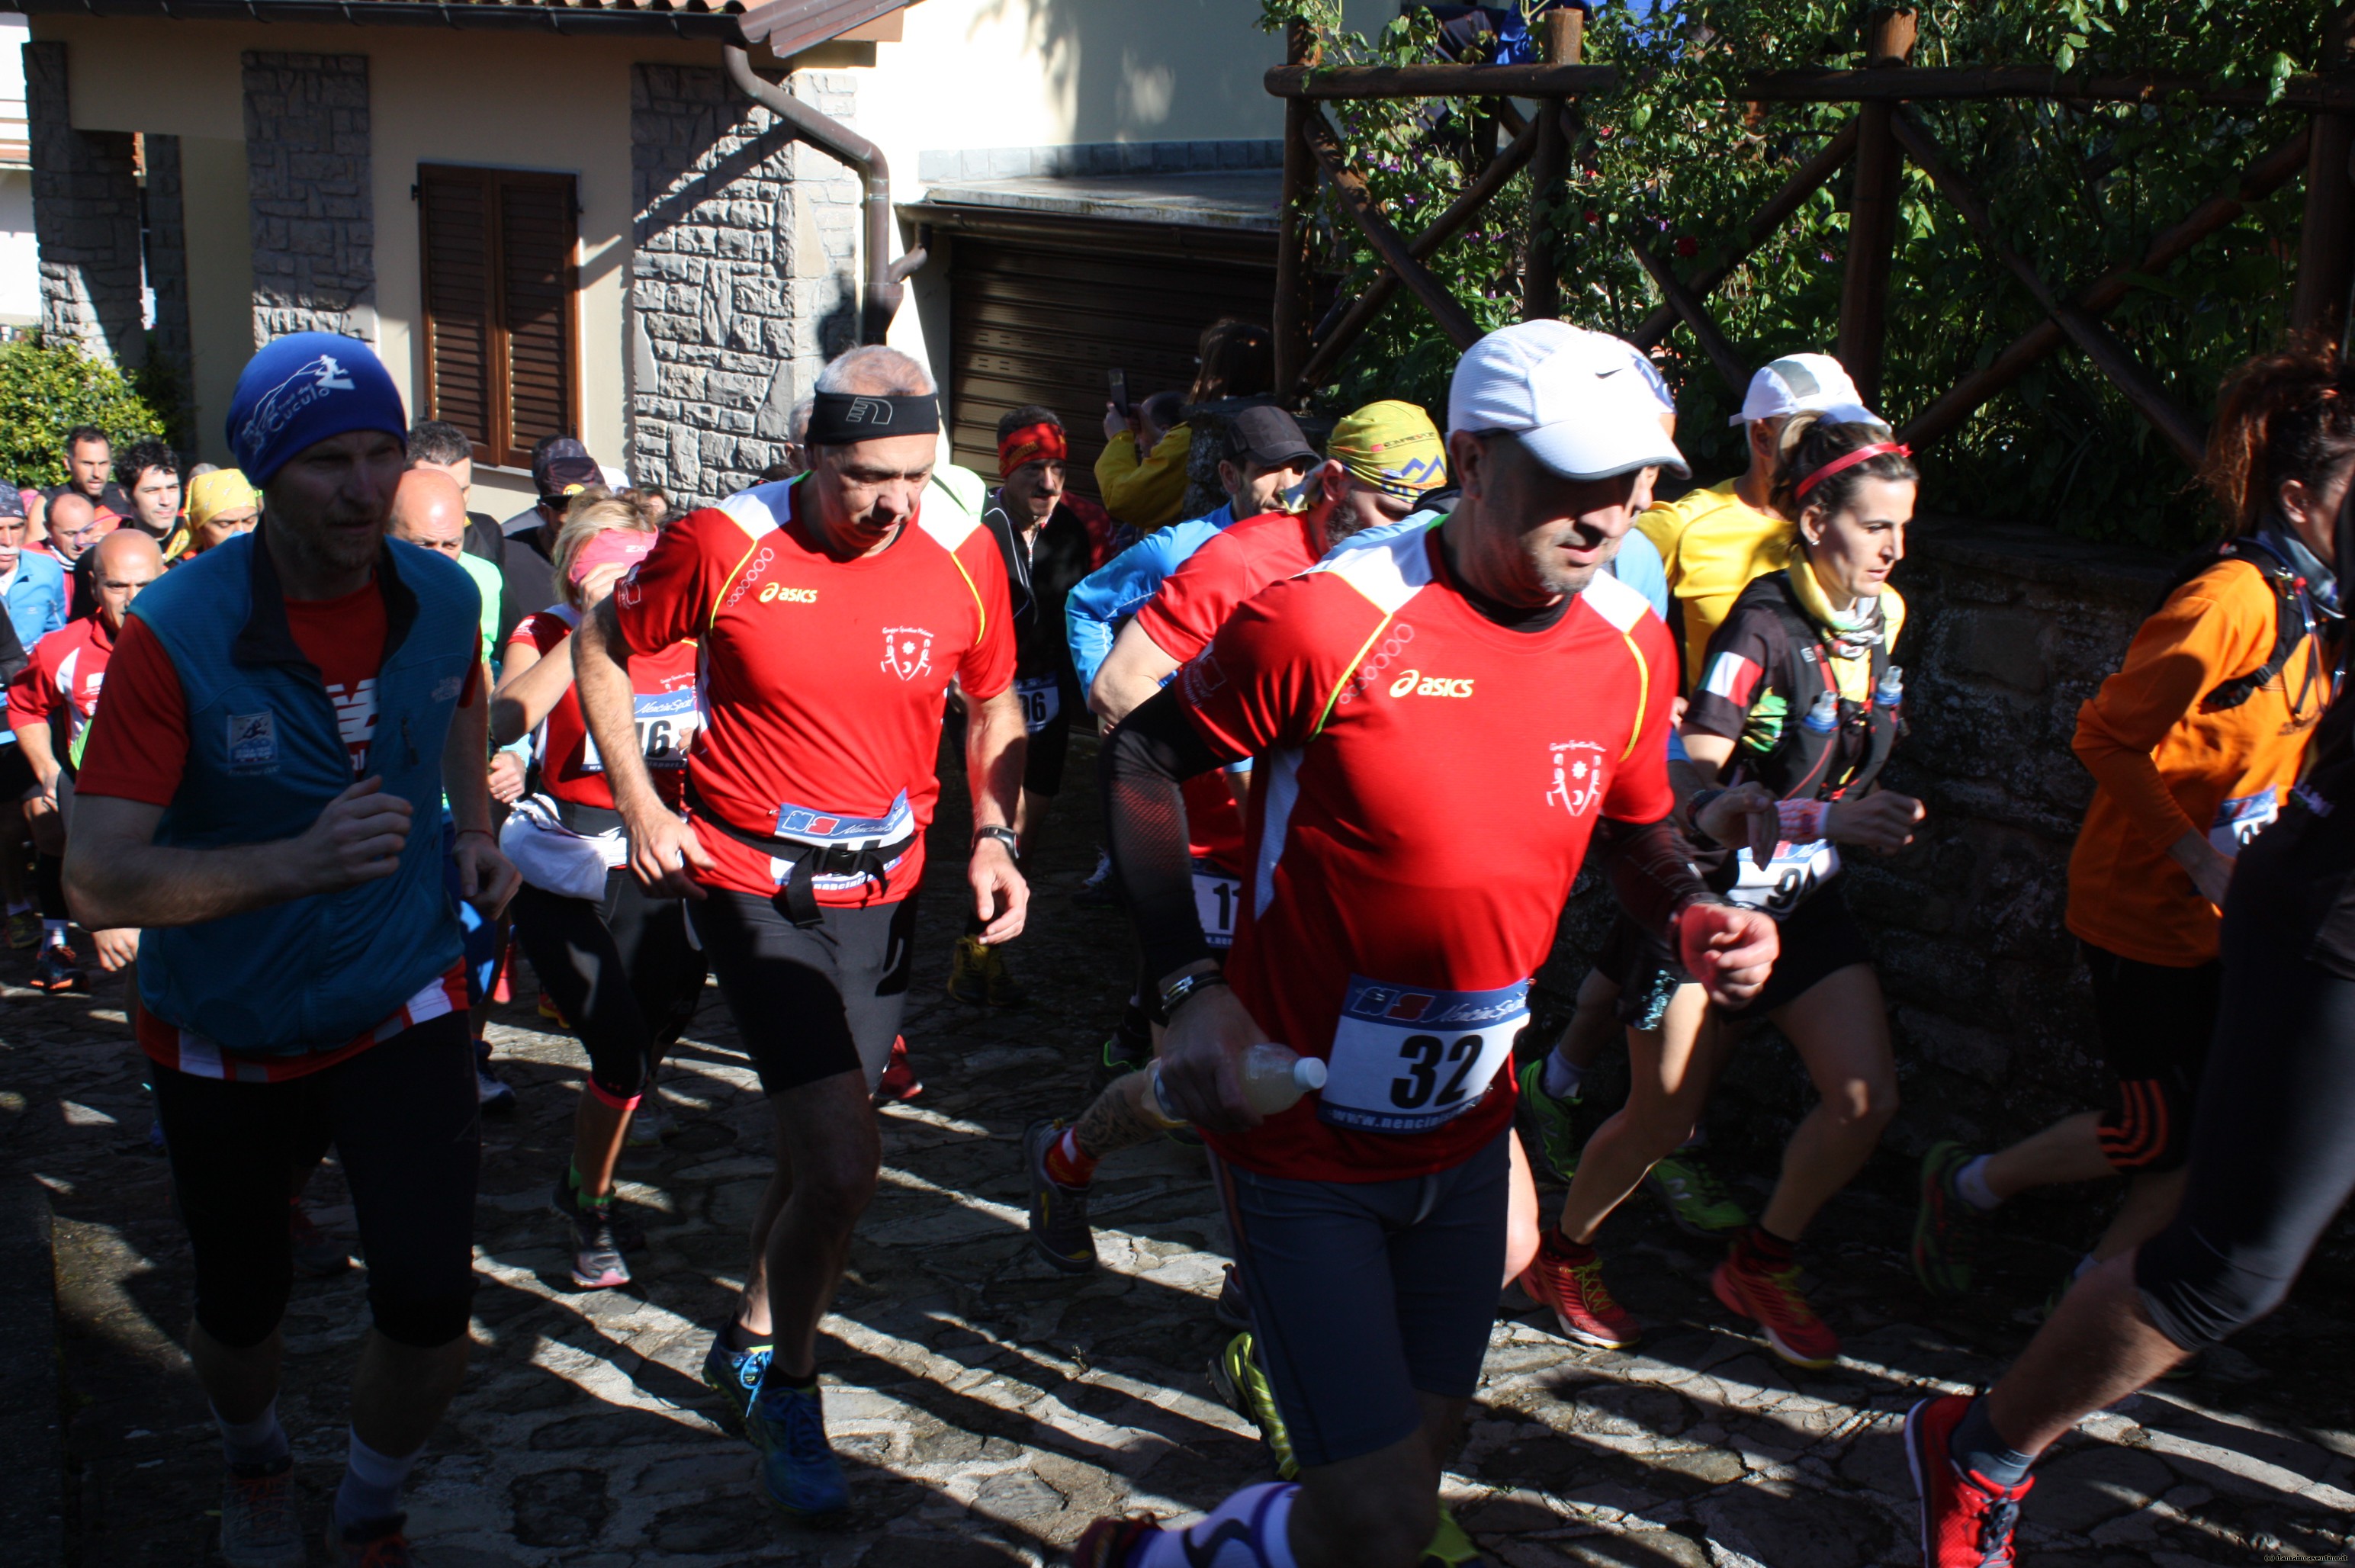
(1604, 447)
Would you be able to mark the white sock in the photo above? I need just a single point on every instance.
(372, 1483)
(1250, 1529)
(261, 1441)
(1562, 1076)
(1971, 1185)
(53, 933)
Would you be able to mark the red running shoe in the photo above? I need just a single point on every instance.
(1582, 1302)
(1108, 1542)
(1967, 1520)
(1771, 1298)
(899, 1080)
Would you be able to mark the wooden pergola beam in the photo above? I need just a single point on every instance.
(1923, 83)
(1366, 212)
(1729, 367)
(1360, 81)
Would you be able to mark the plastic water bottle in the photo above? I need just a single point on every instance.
(1891, 689)
(1274, 1078)
(1824, 717)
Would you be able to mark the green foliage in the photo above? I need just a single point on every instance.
(1676, 160)
(45, 389)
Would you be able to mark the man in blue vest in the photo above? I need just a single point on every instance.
(284, 714)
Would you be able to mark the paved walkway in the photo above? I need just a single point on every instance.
(988, 1408)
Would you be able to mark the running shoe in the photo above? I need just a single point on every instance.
(1772, 1299)
(650, 1124)
(379, 1543)
(978, 975)
(1096, 892)
(1058, 1214)
(1112, 1542)
(798, 1469)
(1243, 1387)
(1451, 1546)
(496, 1099)
(1234, 1308)
(735, 1377)
(1942, 1226)
(546, 1007)
(1967, 1520)
(899, 1082)
(1551, 1132)
(316, 1254)
(24, 930)
(1123, 1052)
(257, 1518)
(1582, 1304)
(1694, 1196)
(59, 970)
(597, 1260)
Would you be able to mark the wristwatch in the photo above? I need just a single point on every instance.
(1005, 836)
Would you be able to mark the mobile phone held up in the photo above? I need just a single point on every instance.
(1119, 380)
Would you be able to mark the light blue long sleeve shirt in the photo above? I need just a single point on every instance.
(1103, 601)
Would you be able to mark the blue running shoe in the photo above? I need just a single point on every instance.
(798, 1469)
(735, 1376)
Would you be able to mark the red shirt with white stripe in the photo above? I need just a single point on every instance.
(822, 681)
(58, 688)
(1426, 787)
(663, 687)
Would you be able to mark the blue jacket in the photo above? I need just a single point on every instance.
(1104, 600)
(36, 601)
(265, 756)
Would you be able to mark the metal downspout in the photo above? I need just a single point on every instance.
(839, 141)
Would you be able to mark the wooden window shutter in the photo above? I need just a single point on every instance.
(501, 297)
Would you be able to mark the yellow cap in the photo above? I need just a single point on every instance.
(222, 490)
(1392, 446)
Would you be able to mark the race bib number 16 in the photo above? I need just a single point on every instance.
(1407, 1057)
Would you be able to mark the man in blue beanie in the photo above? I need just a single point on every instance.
(284, 714)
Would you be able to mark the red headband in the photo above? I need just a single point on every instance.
(1848, 460)
(1030, 443)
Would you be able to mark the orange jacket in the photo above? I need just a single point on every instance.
(2163, 768)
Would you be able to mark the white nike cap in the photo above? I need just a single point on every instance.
(1803, 384)
(1583, 403)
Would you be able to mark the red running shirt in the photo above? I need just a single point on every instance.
(1426, 786)
(60, 681)
(663, 685)
(824, 681)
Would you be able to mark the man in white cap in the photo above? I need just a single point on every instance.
(1385, 933)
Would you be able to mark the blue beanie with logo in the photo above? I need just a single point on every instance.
(304, 388)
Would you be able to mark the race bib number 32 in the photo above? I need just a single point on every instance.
(1407, 1057)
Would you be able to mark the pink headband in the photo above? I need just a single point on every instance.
(1848, 460)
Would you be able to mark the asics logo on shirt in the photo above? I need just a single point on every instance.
(777, 593)
(356, 718)
(1414, 683)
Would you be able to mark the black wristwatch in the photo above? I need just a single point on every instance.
(1005, 836)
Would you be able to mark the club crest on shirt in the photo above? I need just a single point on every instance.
(252, 739)
(1577, 775)
(907, 651)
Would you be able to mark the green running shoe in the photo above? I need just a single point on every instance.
(1451, 1548)
(1942, 1237)
(1551, 1135)
(1244, 1388)
(1695, 1199)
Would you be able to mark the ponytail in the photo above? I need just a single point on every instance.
(2282, 416)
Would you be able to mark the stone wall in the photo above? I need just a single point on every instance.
(85, 220)
(743, 275)
(167, 274)
(306, 139)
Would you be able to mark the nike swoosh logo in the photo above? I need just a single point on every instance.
(1599, 375)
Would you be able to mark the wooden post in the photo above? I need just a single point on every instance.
(1540, 273)
(1295, 307)
(2325, 246)
(1872, 213)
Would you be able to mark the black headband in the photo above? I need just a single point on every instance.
(838, 419)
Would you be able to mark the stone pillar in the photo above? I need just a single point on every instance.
(167, 274)
(306, 147)
(743, 274)
(85, 220)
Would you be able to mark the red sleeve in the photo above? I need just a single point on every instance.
(1639, 788)
(540, 631)
(1195, 601)
(33, 692)
(1100, 527)
(138, 742)
(1266, 681)
(987, 667)
(672, 593)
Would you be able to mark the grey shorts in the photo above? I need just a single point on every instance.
(1364, 1294)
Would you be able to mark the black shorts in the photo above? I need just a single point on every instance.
(17, 779)
(404, 1119)
(1043, 761)
(626, 973)
(1364, 1294)
(2155, 1022)
(1820, 938)
(1646, 973)
(810, 1004)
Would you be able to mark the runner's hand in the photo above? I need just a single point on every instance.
(48, 829)
(487, 879)
(1882, 821)
(1116, 423)
(1743, 815)
(1728, 949)
(1202, 1061)
(663, 851)
(597, 582)
(116, 948)
(507, 777)
(1000, 896)
(358, 838)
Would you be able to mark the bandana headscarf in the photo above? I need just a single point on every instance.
(222, 490)
(1030, 443)
(1392, 446)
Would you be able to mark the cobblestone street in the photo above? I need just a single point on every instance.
(988, 1408)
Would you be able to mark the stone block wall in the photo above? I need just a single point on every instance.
(743, 274)
(306, 138)
(85, 220)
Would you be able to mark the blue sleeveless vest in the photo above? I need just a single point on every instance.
(265, 756)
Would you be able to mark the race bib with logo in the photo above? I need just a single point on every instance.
(2238, 821)
(1406, 1058)
(1787, 882)
(1218, 899)
(1041, 696)
(665, 722)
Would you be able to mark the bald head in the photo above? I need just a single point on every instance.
(428, 510)
(72, 524)
(125, 562)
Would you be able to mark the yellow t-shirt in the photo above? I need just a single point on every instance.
(1712, 545)
(1147, 494)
